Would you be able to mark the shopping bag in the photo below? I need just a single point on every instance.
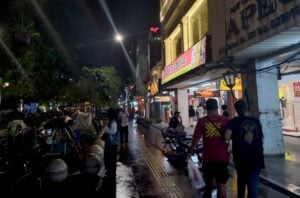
(195, 176)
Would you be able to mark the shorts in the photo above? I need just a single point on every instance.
(216, 170)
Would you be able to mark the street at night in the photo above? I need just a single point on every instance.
(150, 98)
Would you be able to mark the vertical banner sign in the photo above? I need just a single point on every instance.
(297, 89)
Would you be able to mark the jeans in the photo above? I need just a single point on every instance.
(249, 179)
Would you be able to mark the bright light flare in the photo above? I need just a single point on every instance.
(119, 37)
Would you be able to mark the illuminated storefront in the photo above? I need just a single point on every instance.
(289, 97)
(262, 37)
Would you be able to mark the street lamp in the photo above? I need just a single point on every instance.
(119, 37)
(229, 78)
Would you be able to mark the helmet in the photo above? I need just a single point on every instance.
(56, 170)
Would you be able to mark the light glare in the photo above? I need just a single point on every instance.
(119, 37)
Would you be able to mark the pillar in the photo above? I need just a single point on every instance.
(264, 102)
(185, 33)
(183, 106)
(147, 107)
(168, 51)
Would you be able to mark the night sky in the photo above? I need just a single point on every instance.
(85, 29)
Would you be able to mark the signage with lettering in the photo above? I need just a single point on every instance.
(237, 87)
(192, 58)
(153, 88)
(250, 19)
(207, 94)
(296, 89)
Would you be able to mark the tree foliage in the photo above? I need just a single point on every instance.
(98, 85)
(37, 72)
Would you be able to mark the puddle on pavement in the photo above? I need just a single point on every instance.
(126, 187)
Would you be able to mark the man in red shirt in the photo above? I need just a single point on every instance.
(215, 154)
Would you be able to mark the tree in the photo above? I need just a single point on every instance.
(98, 85)
(41, 71)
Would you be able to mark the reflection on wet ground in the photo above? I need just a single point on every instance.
(143, 171)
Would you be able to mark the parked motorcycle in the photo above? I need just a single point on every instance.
(177, 144)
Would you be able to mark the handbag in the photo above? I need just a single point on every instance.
(195, 176)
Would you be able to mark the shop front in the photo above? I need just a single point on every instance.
(289, 97)
(184, 72)
(263, 43)
(218, 90)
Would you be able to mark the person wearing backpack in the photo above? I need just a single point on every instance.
(111, 139)
(247, 148)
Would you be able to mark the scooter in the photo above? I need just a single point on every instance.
(177, 144)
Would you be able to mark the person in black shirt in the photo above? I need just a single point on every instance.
(175, 120)
(247, 149)
(192, 114)
(224, 110)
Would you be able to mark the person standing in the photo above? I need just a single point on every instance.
(224, 110)
(200, 111)
(211, 129)
(111, 139)
(192, 114)
(124, 117)
(247, 148)
(175, 121)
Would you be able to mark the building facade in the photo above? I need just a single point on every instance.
(190, 32)
(257, 39)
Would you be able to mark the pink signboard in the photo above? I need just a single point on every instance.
(190, 59)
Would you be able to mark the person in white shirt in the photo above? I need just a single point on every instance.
(111, 138)
(124, 118)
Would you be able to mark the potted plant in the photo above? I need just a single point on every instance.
(23, 31)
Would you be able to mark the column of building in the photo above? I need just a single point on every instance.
(262, 90)
(182, 105)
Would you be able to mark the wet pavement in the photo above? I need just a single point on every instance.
(284, 172)
(143, 171)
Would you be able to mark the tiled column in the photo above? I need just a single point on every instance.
(182, 98)
(268, 108)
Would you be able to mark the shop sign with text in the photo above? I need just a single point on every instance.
(192, 58)
(296, 89)
(237, 87)
(207, 94)
(251, 19)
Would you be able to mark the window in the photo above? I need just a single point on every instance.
(198, 21)
(178, 47)
(176, 43)
(195, 30)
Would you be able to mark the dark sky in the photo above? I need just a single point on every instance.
(83, 26)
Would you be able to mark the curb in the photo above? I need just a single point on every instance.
(278, 187)
(294, 136)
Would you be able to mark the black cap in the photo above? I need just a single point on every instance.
(211, 104)
(176, 112)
